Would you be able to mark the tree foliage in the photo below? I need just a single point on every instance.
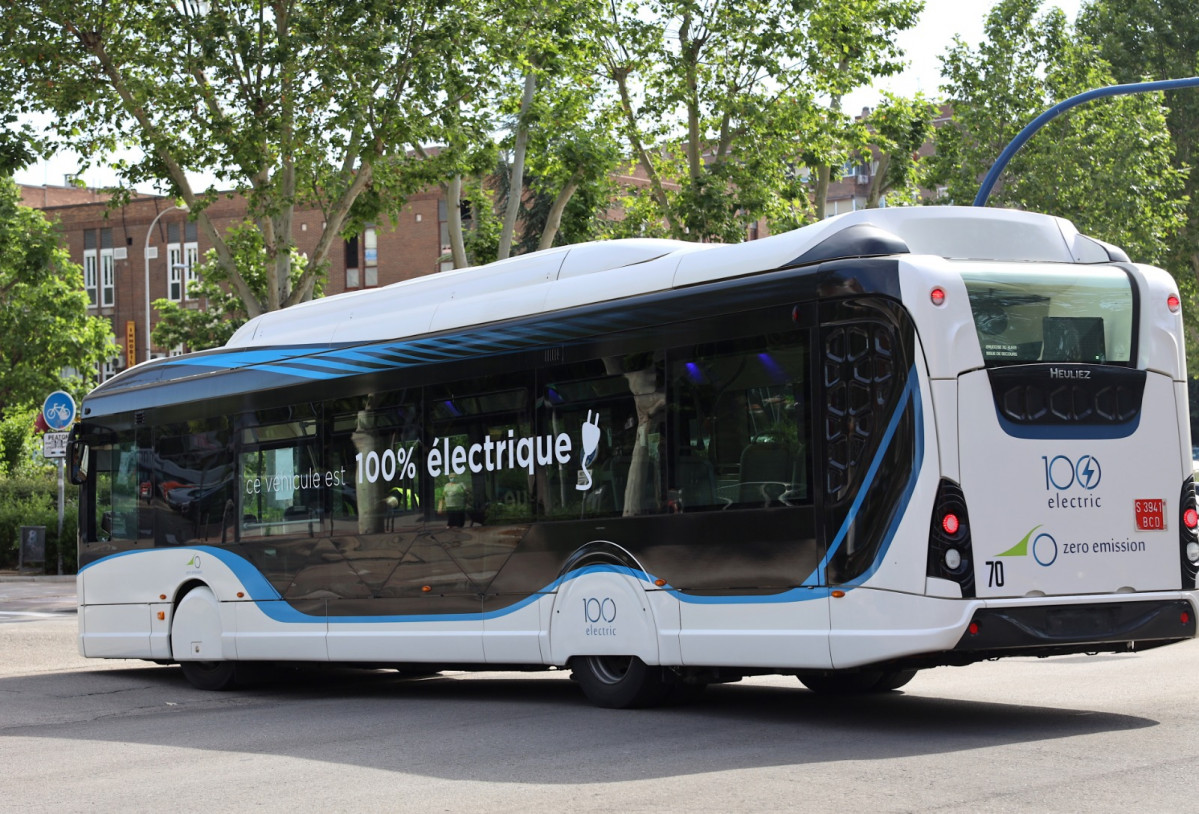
(288, 102)
(899, 128)
(718, 102)
(1106, 166)
(1159, 39)
(47, 340)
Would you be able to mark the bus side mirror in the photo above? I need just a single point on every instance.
(77, 459)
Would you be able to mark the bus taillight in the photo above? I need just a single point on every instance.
(1173, 303)
(950, 555)
(937, 295)
(1189, 536)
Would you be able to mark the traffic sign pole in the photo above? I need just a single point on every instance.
(58, 411)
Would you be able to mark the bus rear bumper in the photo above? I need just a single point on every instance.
(1071, 628)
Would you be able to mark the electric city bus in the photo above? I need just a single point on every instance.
(888, 441)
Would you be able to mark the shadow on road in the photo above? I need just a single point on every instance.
(534, 729)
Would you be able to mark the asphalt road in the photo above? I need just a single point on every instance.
(1096, 734)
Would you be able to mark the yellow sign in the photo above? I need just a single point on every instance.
(130, 343)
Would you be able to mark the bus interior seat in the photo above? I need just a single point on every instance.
(767, 473)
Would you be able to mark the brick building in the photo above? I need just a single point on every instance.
(119, 254)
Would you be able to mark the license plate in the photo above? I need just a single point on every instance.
(1151, 515)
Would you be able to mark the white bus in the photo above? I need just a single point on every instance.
(892, 440)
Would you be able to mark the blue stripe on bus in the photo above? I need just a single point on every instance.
(1068, 432)
(911, 394)
(906, 497)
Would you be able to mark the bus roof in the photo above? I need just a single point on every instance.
(332, 333)
(609, 270)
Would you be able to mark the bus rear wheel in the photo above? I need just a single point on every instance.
(619, 682)
(859, 683)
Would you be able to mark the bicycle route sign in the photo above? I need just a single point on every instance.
(59, 411)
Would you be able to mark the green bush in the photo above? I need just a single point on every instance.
(32, 500)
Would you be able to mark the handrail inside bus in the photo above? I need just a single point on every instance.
(1024, 135)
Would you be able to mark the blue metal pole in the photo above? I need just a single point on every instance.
(1024, 135)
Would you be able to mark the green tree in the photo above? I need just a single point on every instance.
(1107, 165)
(717, 100)
(47, 340)
(287, 102)
(1159, 39)
(899, 128)
(541, 129)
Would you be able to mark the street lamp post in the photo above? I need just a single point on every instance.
(146, 258)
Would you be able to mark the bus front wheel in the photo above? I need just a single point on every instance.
(210, 675)
(619, 682)
(196, 640)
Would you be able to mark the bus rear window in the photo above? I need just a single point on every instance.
(1048, 314)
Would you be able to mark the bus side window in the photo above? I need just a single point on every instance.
(117, 503)
(613, 410)
(480, 430)
(372, 475)
(739, 431)
(280, 489)
(193, 482)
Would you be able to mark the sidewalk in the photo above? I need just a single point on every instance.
(14, 576)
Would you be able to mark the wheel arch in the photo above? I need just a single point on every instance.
(602, 607)
(198, 624)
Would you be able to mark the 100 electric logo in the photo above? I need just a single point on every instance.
(1066, 474)
(599, 614)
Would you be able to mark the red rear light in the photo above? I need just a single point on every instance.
(950, 523)
(937, 295)
(1173, 303)
(1190, 518)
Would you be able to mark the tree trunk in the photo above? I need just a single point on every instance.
(820, 199)
(878, 182)
(453, 214)
(516, 181)
(554, 219)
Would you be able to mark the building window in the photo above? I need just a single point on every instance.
(107, 270)
(351, 254)
(183, 254)
(91, 265)
(370, 242)
(175, 272)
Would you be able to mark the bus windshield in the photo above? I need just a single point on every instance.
(1043, 314)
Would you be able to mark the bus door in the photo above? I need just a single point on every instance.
(747, 570)
(1069, 453)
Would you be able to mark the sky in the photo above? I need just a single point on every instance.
(940, 22)
(924, 44)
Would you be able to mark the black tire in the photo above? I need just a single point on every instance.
(894, 679)
(619, 682)
(210, 675)
(858, 683)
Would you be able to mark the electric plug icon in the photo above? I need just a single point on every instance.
(591, 439)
